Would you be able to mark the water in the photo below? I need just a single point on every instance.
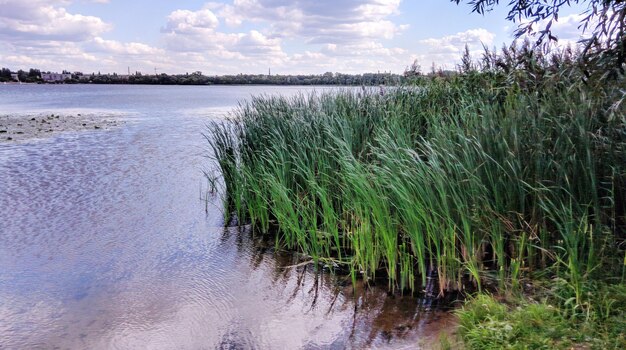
(106, 244)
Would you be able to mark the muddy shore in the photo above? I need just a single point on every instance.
(15, 128)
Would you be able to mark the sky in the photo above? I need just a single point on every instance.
(249, 36)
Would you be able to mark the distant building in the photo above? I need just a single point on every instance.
(55, 77)
(15, 77)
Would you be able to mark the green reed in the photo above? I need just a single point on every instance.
(475, 177)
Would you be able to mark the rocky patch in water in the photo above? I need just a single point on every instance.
(24, 127)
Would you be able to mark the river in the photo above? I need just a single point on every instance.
(109, 240)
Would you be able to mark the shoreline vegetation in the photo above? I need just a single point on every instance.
(505, 182)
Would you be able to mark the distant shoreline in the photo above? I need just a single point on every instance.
(16, 83)
(197, 78)
(251, 84)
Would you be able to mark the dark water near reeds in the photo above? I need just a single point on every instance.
(105, 242)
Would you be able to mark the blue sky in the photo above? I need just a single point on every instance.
(248, 36)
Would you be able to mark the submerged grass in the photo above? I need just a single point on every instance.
(484, 178)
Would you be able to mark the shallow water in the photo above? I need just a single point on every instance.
(105, 242)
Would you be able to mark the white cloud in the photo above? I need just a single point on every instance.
(119, 48)
(459, 40)
(196, 32)
(322, 21)
(346, 29)
(446, 51)
(185, 20)
(49, 55)
(43, 34)
(255, 43)
(45, 20)
(371, 49)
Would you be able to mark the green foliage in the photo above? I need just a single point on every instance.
(605, 20)
(32, 76)
(476, 179)
(485, 323)
(5, 75)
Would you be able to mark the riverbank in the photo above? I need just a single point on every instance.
(15, 128)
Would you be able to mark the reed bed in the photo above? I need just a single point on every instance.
(485, 177)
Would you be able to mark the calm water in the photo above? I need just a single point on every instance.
(106, 244)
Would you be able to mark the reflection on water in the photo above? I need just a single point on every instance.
(104, 242)
(350, 318)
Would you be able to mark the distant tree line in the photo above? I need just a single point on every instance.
(32, 76)
(197, 78)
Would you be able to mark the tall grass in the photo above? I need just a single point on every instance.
(478, 178)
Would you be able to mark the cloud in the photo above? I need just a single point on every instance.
(49, 55)
(459, 40)
(196, 32)
(185, 20)
(371, 49)
(349, 30)
(318, 22)
(43, 34)
(447, 50)
(119, 48)
(45, 20)
(256, 44)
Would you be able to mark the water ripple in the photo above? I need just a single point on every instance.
(105, 243)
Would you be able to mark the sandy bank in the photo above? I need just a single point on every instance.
(24, 127)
